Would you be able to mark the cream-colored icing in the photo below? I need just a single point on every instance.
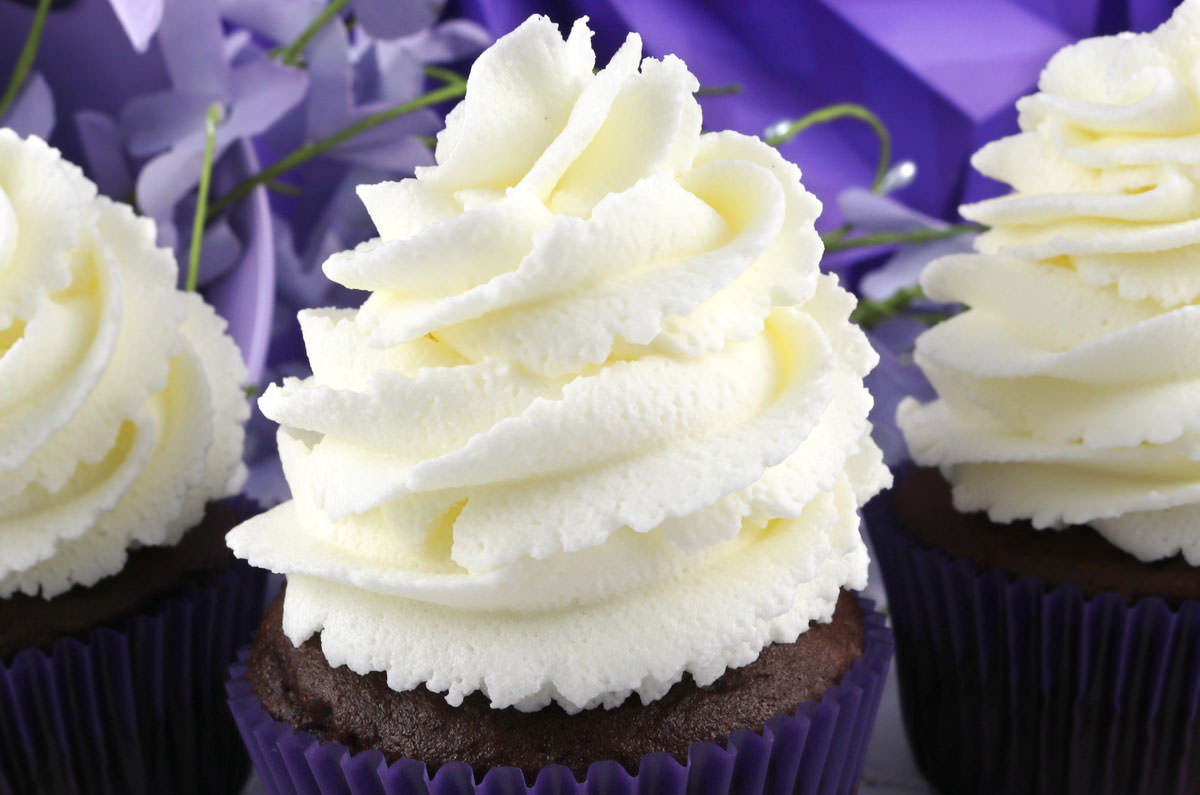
(121, 408)
(1069, 393)
(600, 422)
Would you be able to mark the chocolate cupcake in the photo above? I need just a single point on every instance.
(298, 686)
(597, 437)
(121, 418)
(1045, 584)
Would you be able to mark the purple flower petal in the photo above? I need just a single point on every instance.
(298, 285)
(140, 19)
(904, 268)
(241, 48)
(328, 106)
(399, 65)
(263, 91)
(400, 75)
(453, 40)
(32, 113)
(339, 227)
(166, 179)
(193, 46)
(154, 122)
(281, 21)
(870, 212)
(398, 156)
(418, 122)
(104, 157)
(389, 19)
(220, 251)
(338, 222)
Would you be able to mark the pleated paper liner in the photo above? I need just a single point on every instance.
(139, 709)
(1008, 685)
(819, 749)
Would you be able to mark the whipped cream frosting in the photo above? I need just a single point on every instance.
(121, 407)
(1069, 392)
(600, 422)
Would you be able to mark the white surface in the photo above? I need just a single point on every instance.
(890, 768)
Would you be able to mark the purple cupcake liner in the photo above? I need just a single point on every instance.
(133, 710)
(818, 750)
(1009, 685)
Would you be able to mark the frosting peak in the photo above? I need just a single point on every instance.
(1068, 392)
(600, 422)
(120, 397)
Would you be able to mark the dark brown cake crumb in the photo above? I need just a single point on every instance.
(298, 686)
(150, 575)
(922, 504)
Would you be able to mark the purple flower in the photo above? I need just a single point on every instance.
(340, 75)
(389, 73)
(204, 68)
(382, 19)
(389, 19)
(88, 63)
(32, 112)
(104, 156)
(140, 19)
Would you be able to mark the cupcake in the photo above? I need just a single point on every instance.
(575, 490)
(1042, 558)
(121, 416)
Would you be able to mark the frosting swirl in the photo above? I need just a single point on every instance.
(601, 422)
(120, 397)
(1069, 393)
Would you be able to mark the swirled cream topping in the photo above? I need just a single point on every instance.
(1069, 393)
(600, 422)
(121, 408)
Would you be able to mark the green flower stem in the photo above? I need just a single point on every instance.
(869, 314)
(211, 120)
(837, 241)
(832, 237)
(308, 151)
(27, 56)
(275, 186)
(294, 52)
(446, 76)
(844, 110)
(717, 91)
